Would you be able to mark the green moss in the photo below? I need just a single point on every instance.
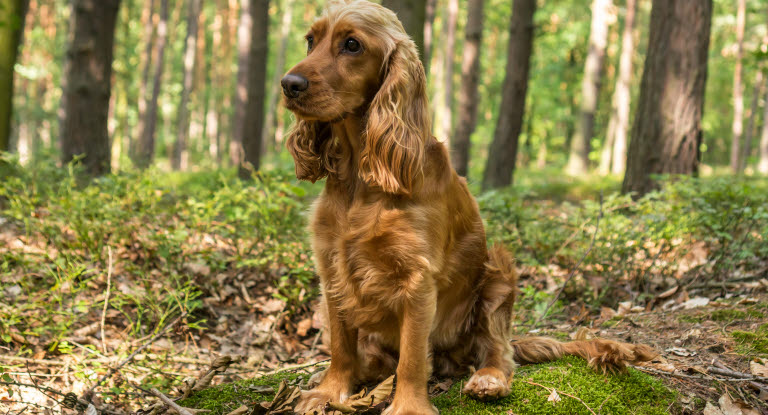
(690, 319)
(751, 343)
(633, 392)
(225, 398)
(730, 314)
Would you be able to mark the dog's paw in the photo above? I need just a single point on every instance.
(487, 384)
(409, 407)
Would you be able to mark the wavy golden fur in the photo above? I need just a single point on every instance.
(408, 283)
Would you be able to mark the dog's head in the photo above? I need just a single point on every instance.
(360, 61)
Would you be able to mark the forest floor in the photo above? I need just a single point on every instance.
(126, 285)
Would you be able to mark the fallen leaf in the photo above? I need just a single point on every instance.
(679, 351)
(694, 302)
(758, 367)
(669, 292)
(554, 397)
(239, 411)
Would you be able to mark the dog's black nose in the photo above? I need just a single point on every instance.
(293, 85)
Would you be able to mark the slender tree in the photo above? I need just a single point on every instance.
(255, 89)
(88, 87)
(180, 156)
(412, 14)
(449, 44)
(738, 89)
(470, 68)
(429, 22)
(666, 134)
(746, 150)
(146, 148)
(614, 156)
(268, 136)
(503, 150)
(148, 37)
(12, 13)
(578, 161)
(762, 164)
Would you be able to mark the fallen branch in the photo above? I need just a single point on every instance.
(578, 264)
(173, 405)
(561, 393)
(734, 374)
(106, 299)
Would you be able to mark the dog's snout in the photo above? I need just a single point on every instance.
(293, 85)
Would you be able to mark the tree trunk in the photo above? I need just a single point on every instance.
(615, 151)
(762, 165)
(412, 14)
(180, 157)
(244, 35)
(147, 19)
(750, 131)
(666, 134)
(738, 89)
(12, 14)
(449, 31)
(146, 151)
(89, 76)
(503, 150)
(268, 134)
(578, 161)
(429, 22)
(256, 89)
(470, 68)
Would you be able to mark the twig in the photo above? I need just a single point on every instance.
(294, 367)
(734, 374)
(113, 370)
(675, 374)
(561, 393)
(106, 298)
(573, 271)
(269, 337)
(173, 405)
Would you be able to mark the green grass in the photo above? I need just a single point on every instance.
(630, 393)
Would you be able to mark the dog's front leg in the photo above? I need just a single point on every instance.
(413, 368)
(340, 376)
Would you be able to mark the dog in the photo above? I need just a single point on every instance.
(408, 283)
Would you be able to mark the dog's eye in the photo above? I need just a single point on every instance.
(310, 42)
(352, 45)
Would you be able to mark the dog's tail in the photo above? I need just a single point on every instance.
(600, 354)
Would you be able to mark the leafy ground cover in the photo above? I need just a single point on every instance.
(91, 271)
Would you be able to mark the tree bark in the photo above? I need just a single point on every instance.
(578, 160)
(12, 15)
(244, 35)
(89, 76)
(446, 111)
(268, 135)
(666, 134)
(147, 19)
(252, 122)
(429, 22)
(762, 164)
(502, 154)
(746, 150)
(470, 68)
(412, 14)
(615, 151)
(738, 89)
(180, 157)
(146, 151)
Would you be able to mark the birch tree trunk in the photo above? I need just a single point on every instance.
(470, 71)
(502, 154)
(578, 160)
(738, 89)
(667, 134)
(88, 86)
(180, 156)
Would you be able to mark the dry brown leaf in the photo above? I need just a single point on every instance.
(239, 411)
(668, 293)
(729, 407)
(554, 397)
(758, 367)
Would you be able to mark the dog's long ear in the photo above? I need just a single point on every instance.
(398, 125)
(308, 143)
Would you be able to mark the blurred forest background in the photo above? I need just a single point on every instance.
(150, 219)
